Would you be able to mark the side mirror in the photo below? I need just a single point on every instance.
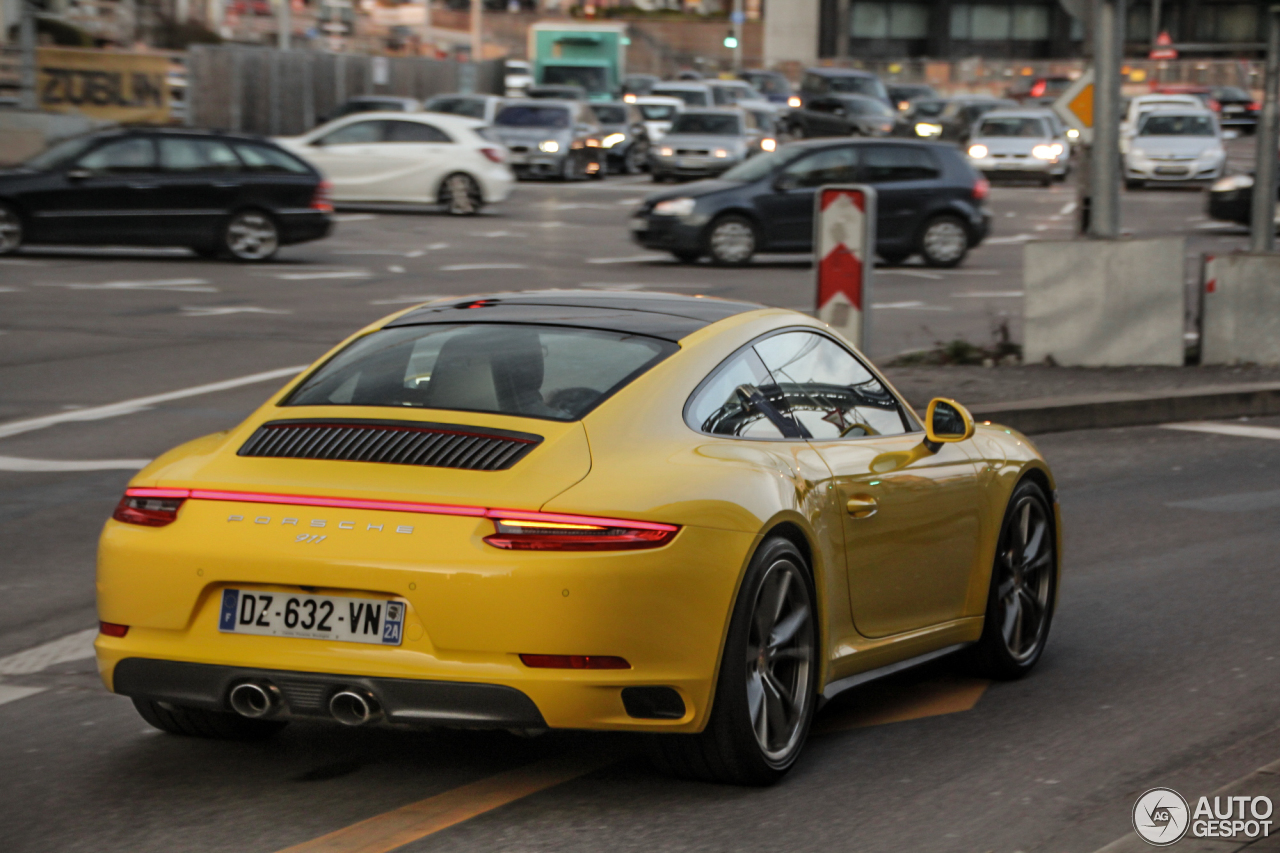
(946, 421)
(785, 182)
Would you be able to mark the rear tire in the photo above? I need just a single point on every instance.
(198, 722)
(10, 230)
(765, 695)
(944, 242)
(460, 195)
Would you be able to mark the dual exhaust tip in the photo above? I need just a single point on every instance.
(261, 699)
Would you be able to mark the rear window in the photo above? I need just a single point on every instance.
(658, 112)
(1175, 125)
(708, 124)
(533, 117)
(550, 372)
(610, 114)
(1012, 126)
(691, 97)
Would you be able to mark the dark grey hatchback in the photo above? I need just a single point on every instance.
(216, 193)
(930, 202)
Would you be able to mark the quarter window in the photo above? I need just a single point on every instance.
(264, 158)
(828, 391)
(414, 131)
(740, 400)
(358, 133)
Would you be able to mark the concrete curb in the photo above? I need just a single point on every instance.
(1104, 411)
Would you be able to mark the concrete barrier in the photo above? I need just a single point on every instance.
(1104, 303)
(1241, 310)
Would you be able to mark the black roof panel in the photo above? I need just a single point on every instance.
(660, 315)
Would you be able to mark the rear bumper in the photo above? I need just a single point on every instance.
(302, 226)
(306, 694)
(1233, 206)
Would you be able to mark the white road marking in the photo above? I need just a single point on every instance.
(21, 262)
(402, 300)
(1242, 430)
(911, 306)
(1068, 209)
(9, 693)
(499, 233)
(913, 273)
(77, 646)
(1004, 241)
(185, 285)
(395, 268)
(629, 201)
(222, 311)
(16, 463)
(469, 267)
(138, 404)
(320, 274)
(577, 205)
(988, 294)
(10, 290)
(416, 253)
(630, 259)
(972, 272)
(354, 217)
(435, 247)
(1217, 226)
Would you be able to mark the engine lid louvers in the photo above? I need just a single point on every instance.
(391, 442)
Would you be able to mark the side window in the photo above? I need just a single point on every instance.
(815, 83)
(414, 131)
(196, 155)
(828, 391)
(740, 400)
(829, 166)
(888, 163)
(122, 156)
(264, 158)
(359, 133)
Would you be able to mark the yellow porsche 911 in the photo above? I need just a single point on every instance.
(690, 517)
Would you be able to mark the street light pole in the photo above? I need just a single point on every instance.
(284, 24)
(738, 17)
(1262, 228)
(477, 33)
(27, 40)
(1108, 45)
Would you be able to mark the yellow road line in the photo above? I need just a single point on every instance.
(398, 827)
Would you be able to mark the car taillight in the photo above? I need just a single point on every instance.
(111, 629)
(1256, 106)
(548, 532)
(150, 507)
(323, 200)
(493, 154)
(981, 188)
(1215, 105)
(574, 662)
(1038, 88)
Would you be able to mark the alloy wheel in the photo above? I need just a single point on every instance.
(733, 242)
(10, 231)
(1024, 583)
(945, 242)
(462, 196)
(779, 656)
(252, 236)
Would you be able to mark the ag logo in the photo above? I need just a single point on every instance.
(1160, 817)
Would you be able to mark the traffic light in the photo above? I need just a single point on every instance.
(731, 41)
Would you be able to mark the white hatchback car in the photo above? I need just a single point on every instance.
(658, 111)
(1175, 144)
(417, 158)
(1143, 104)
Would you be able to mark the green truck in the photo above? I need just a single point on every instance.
(593, 56)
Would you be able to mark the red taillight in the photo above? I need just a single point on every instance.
(1215, 105)
(1038, 89)
(981, 189)
(1256, 106)
(111, 629)
(150, 507)
(543, 532)
(574, 662)
(323, 199)
(493, 154)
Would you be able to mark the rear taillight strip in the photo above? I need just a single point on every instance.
(398, 506)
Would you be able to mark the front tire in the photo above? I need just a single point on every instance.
(460, 195)
(634, 160)
(1024, 584)
(731, 241)
(251, 235)
(10, 230)
(945, 242)
(765, 695)
(198, 722)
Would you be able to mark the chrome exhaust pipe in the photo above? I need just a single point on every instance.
(255, 699)
(354, 708)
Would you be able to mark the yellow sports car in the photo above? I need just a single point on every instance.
(690, 517)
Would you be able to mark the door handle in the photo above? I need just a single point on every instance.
(861, 506)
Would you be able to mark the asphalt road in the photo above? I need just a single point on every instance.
(1160, 670)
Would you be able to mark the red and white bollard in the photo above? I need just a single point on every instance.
(844, 226)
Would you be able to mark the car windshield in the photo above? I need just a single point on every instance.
(1231, 93)
(67, 149)
(706, 124)
(857, 86)
(755, 168)
(692, 97)
(593, 78)
(610, 114)
(1013, 126)
(868, 107)
(928, 109)
(554, 372)
(470, 107)
(530, 116)
(658, 112)
(1176, 125)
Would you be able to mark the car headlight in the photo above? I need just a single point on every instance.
(665, 152)
(721, 153)
(550, 146)
(1232, 182)
(629, 99)
(1043, 152)
(613, 139)
(1072, 133)
(925, 128)
(592, 142)
(793, 102)
(674, 207)
(977, 152)
(1057, 148)
(768, 144)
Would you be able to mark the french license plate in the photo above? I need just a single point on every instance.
(1171, 170)
(1007, 165)
(314, 617)
(517, 159)
(639, 223)
(1233, 109)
